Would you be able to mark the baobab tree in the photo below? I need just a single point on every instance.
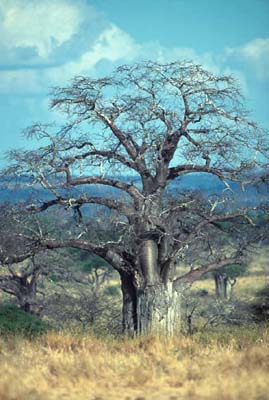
(22, 284)
(225, 280)
(135, 132)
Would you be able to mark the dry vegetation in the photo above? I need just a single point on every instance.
(221, 363)
(224, 365)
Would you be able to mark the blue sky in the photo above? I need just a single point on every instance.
(45, 43)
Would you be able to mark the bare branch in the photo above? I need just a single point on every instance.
(119, 206)
(196, 273)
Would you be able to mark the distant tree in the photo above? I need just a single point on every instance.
(21, 282)
(225, 280)
(136, 132)
(55, 272)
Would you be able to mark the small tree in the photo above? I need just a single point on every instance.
(21, 282)
(223, 285)
(225, 280)
(136, 132)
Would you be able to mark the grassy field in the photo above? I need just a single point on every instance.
(223, 364)
(217, 363)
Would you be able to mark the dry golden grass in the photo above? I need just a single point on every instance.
(222, 366)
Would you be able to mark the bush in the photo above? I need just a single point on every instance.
(93, 311)
(13, 320)
(260, 307)
(112, 290)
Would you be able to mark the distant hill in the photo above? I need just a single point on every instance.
(12, 190)
(210, 185)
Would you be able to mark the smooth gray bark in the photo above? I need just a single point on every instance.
(158, 310)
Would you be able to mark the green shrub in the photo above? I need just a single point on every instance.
(92, 262)
(15, 321)
(112, 290)
(263, 293)
(260, 307)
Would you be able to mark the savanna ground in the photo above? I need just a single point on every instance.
(228, 364)
(223, 362)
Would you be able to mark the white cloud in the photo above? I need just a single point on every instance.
(255, 53)
(41, 25)
(254, 50)
(112, 44)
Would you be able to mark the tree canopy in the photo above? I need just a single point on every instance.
(135, 132)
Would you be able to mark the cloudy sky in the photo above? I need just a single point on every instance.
(46, 43)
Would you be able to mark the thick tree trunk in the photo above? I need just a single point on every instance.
(152, 305)
(129, 305)
(27, 296)
(151, 309)
(27, 303)
(158, 310)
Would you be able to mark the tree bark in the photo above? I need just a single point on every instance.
(27, 295)
(223, 286)
(150, 309)
(152, 305)
(158, 310)
(129, 304)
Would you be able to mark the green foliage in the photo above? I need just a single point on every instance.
(232, 270)
(235, 270)
(92, 262)
(264, 293)
(15, 321)
(54, 278)
(112, 290)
